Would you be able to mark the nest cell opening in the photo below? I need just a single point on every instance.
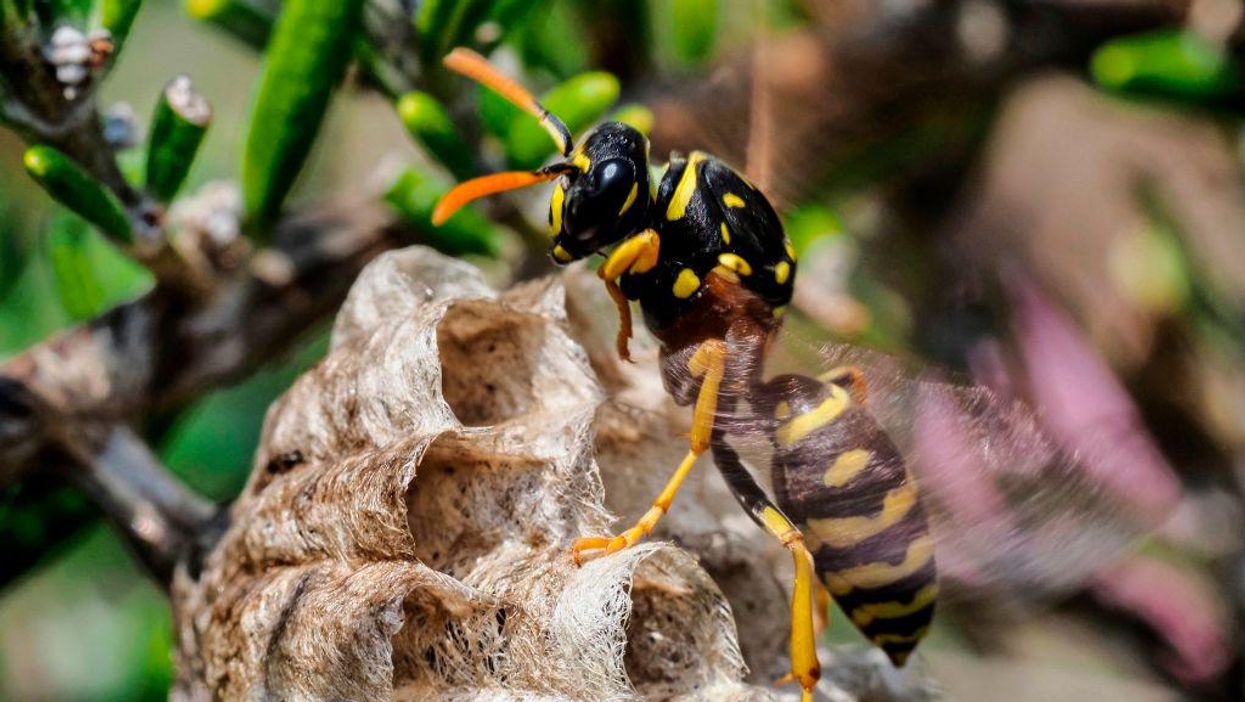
(465, 502)
(489, 358)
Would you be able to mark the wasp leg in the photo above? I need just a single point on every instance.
(637, 254)
(804, 666)
(624, 319)
(821, 612)
(851, 379)
(708, 363)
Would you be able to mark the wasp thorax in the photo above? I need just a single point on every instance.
(605, 198)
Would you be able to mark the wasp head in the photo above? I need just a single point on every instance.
(603, 195)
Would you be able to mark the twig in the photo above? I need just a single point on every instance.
(71, 396)
(160, 517)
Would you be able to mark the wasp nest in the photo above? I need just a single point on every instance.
(404, 534)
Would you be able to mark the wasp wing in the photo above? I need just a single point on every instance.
(1016, 513)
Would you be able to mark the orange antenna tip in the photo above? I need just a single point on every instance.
(476, 188)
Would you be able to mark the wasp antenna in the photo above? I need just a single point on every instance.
(476, 188)
(477, 68)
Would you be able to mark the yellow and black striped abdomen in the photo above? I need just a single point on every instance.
(838, 475)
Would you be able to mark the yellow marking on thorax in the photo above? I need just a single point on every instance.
(561, 254)
(635, 189)
(845, 532)
(829, 410)
(846, 466)
(782, 410)
(725, 274)
(782, 271)
(686, 284)
(915, 636)
(875, 575)
(555, 209)
(732, 200)
(735, 263)
(685, 189)
(726, 234)
(865, 614)
(581, 161)
(780, 310)
(790, 249)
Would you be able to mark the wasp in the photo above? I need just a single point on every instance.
(704, 255)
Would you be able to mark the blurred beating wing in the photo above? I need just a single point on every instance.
(1015, 516)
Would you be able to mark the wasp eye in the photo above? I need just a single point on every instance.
(612, 181)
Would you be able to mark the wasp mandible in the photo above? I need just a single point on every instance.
(704, 254)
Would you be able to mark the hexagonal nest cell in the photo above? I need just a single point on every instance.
(411, 542)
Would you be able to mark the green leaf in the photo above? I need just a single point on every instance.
(249, 21)
(59, 12)
(13, 251)
(117, 16)
(68, 184)
(77, 284)
(579, 102)
(181, 118)
(547, 41)
(695, 26)
(430, 124)
(307, 56)
(512, 14)
(811, 223)
(496, 113)
(636, 115)
(413, 195)
(442, 25)
(1180, 64)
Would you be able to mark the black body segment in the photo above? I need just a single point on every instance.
(839, 476)
(709, 218)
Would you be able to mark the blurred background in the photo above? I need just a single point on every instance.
(1043, 195)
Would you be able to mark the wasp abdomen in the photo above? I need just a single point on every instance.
(839, 476)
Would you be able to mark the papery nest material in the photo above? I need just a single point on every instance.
(404, 533)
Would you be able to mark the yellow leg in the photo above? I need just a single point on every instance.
(637, 254)
(821, 610)
(708, 362)
(804, 666)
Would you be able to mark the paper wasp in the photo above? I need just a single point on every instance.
(704, 254)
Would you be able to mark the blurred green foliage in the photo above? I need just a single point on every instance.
(1170, 63)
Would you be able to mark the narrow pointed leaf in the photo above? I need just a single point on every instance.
(430, 124)
(695, 27)
(636, 115)
(68, 184)
(249, 21)
(413, 196)
(181, 118)
(117, 16)
(1179, 64)
(306, 58)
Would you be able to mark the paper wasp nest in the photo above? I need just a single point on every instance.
(404, 534)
